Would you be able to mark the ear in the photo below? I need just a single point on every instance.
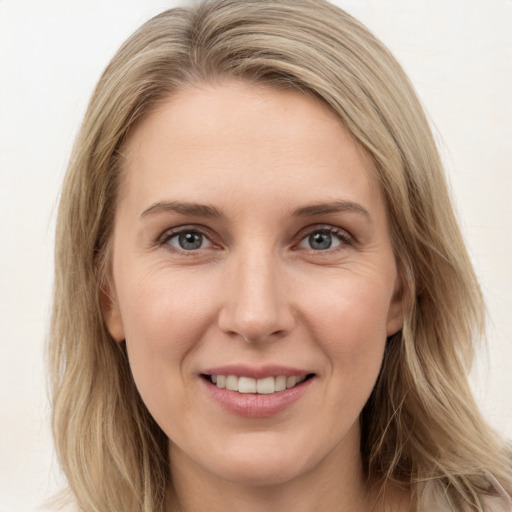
(111, 313)
(395, 318)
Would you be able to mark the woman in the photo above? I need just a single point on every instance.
(262, 297)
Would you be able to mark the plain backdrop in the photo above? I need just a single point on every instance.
(458, 54)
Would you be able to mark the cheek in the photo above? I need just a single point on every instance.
(349, 320)
(165, 309)
(165, 321)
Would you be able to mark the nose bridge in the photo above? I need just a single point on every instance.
(256, 305)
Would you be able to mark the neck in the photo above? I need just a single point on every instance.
(334, 484)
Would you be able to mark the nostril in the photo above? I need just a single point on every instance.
(256, 310)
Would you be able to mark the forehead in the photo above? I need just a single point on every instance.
(258, 137)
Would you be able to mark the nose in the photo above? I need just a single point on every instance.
(257, 306)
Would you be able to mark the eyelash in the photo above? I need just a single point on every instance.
(344, 238)
(168, 235)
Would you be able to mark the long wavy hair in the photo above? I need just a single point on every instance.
(421, 428)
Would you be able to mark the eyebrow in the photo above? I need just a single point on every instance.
(210, 212)
(193, 209)
(332, 207)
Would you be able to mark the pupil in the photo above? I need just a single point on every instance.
(190, 241)
(320, 241)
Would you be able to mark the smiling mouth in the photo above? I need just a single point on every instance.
(265, 386)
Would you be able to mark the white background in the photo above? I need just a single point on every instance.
(459, 56)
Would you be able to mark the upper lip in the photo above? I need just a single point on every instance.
(256, 372)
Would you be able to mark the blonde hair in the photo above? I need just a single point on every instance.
(421, 428)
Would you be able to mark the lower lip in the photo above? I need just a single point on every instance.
(253, 405)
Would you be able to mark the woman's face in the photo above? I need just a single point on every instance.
(251, 248)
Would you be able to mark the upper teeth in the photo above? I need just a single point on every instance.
(264, 386)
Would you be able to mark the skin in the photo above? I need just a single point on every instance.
(257, 155)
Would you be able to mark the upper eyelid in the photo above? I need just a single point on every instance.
(324, 227)
(163, 241)
(300, 235)
(170, 232)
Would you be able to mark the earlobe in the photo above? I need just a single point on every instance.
(395, 318)
(111, 313)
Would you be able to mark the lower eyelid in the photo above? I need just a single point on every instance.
(205, 242)
(343, 237)
(165, 238)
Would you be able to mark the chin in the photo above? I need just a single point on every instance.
(255, 464)
(257, 474)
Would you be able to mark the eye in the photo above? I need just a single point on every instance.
(324, 239)
(188, 240)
